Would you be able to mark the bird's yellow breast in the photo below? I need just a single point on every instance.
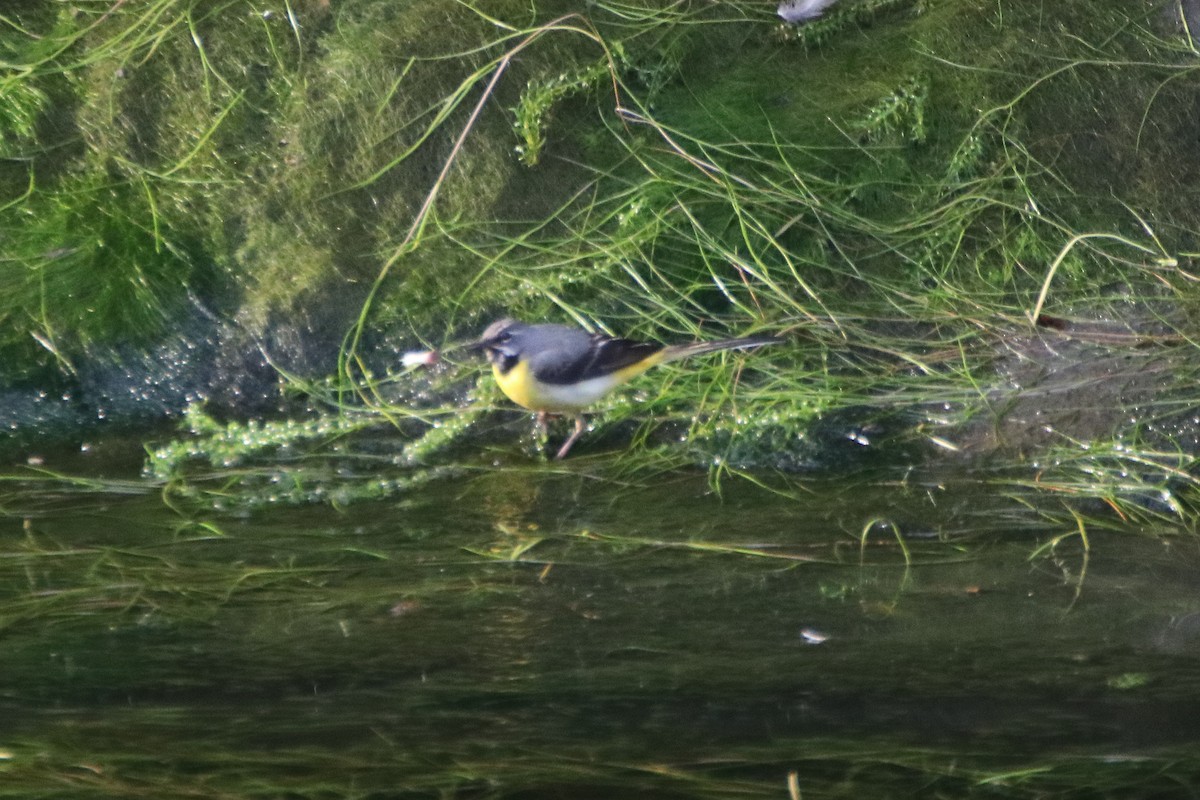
(524, 389)
(518, 384)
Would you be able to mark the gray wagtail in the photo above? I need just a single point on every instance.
(556, 369)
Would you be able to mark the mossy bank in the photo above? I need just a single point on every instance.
(214, 202)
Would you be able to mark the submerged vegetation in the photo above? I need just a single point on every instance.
(519, 633)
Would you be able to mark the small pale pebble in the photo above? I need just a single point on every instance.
(813, 636)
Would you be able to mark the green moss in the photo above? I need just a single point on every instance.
(91, 267)
(21, 104)
(700, 170)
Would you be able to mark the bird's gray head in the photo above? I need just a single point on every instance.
(499, 343)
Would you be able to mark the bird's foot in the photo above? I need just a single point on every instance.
(580, 427)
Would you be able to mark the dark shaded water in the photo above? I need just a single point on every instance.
(545, 631)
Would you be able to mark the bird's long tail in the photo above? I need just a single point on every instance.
(675, 352)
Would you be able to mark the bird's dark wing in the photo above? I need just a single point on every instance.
(604, 355)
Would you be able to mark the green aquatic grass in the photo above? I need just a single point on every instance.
(898, 190)
(892, 291)
(321, 459)
(824, 770)
(956, 270)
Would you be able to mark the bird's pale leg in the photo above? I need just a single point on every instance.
(580, 427)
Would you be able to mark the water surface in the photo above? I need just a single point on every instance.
(542, 630)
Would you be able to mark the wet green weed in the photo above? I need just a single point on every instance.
(903, 191)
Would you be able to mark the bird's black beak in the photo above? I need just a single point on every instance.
(471, 346)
